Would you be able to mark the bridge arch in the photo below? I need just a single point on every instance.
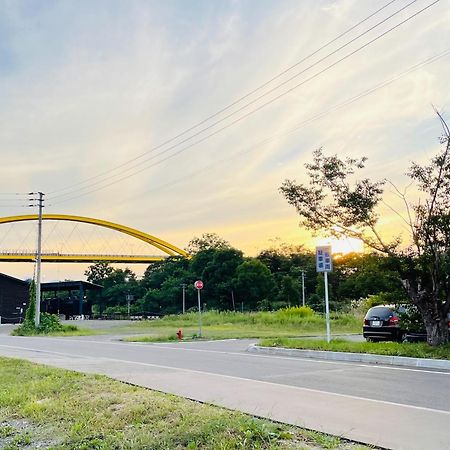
(166, 247)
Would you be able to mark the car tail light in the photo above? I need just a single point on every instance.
(393, 320)
(366, 322)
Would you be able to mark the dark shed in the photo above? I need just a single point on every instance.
(14, 297)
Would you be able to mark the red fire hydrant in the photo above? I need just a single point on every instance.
(180, 334)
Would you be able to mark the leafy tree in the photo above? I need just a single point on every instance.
(254, 282)
(359, 275)
(290, 290)
(208, 241)
(163, 282)
(98, 272)
(333, 202)
(117, 283)
(218, 277)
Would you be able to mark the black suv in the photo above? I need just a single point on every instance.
(382, 323)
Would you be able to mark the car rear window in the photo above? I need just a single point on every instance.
(382, 312)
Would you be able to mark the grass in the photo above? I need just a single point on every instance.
(414, 350)
(69, 331)
(48, 408)
(222, 325)
(61, 330)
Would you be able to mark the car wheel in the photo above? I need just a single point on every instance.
(369, 339)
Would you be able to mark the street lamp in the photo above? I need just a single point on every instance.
(128, 297)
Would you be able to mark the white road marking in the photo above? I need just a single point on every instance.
(231, 377)
(252, 355)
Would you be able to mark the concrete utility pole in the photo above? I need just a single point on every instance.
(40, 200)
(183, 286)
(303, 288)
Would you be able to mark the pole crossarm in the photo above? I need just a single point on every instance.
(166, 247)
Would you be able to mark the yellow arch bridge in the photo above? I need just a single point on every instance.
(169, 249)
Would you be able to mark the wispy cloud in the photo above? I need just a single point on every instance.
(86, 86)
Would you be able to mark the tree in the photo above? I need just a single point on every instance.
(255, 283)
(333, 201)
(117, 283)
(357, 276)
(218, 277)
(290, 290)
(208, 241)
(163, 281)
(98, 272)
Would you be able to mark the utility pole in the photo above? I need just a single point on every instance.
(303, 288)
(40, 204)
(184, 297)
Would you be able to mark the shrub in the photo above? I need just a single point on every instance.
(49, 323)
(382, 298)
(411, 320)
(295, 312)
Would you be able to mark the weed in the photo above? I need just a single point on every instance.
(6, 431)
(416, 350)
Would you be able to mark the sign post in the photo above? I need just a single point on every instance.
(130, 298)
(324, 263)
(199, 286)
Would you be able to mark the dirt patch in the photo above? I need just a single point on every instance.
(21, 434)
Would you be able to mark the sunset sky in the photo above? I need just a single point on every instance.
(93, 95)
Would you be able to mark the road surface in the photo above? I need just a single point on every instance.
(391, 407)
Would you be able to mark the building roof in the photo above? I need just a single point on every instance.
(69, 286)
(16, 280)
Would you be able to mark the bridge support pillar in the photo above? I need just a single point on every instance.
(81, 299)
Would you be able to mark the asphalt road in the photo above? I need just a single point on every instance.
(391, 407)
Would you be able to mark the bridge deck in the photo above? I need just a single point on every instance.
(74, 258)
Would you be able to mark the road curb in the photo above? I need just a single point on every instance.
(352, 357)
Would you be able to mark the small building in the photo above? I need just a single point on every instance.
(67, 298)
(14, 298)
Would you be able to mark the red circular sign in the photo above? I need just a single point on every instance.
(198, 284)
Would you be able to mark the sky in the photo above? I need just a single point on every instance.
(121, 111)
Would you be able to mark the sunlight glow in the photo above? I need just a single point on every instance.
(342, 246)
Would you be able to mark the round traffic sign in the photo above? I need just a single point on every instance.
(198, 284)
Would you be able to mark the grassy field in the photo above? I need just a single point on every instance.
(47, 408)
(221, 325)
(416, 350)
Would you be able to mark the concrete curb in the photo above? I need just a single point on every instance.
(353, 357)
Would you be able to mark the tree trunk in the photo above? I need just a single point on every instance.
(433, 313)
(437, 331)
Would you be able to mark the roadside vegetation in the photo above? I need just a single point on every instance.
(268, 282)
(413, 350)
(48, 408)
(293, 321)
(49, 323)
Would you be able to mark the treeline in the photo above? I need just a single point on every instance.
(269, 281)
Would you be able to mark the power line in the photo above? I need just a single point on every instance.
(238, 119)
(307, 121)
(241, 98)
